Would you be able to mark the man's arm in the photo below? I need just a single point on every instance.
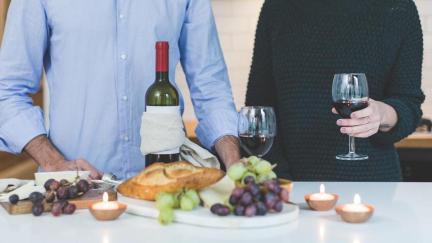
(207, 78)
(50, 159)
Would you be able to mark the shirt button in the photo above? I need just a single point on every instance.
(121, 16)
(125, 98)
(126, 138)
(123, 56)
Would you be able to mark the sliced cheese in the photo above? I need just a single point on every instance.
(217, 193)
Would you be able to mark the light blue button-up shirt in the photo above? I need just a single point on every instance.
(99, 61)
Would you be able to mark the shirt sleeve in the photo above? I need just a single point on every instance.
(206, 74)
(403, 91)
(21, 61)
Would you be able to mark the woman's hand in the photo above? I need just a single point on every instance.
(378, 116)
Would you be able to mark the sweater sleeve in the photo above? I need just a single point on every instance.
(404, 92)
(261, 89)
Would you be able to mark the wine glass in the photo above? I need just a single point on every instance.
(350, 94)
(257, 129)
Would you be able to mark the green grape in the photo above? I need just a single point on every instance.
(186, 203)
(166, 215)
(246, 175)
(253, 160)
(236, 171)
(192, 194)
(263, 167)
(272, 175)
(165, 200)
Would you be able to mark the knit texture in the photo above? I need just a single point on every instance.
(300, 45)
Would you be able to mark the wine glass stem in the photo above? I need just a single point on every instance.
(351, 145)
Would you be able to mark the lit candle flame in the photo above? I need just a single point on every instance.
(322, 188)
(357, 199)
(105, 197)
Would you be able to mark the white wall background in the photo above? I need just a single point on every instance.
(236, 21)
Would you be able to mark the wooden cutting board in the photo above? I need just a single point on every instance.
(94, 195)
(203, 217)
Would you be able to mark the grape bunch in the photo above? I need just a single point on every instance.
(254, 199)
(260, 170)
(186, 200)
(257, 191)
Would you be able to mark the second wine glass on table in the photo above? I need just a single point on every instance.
(257, 129)
(350, 93)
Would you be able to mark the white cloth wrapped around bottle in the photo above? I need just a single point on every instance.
(165, 132)
(161, 132)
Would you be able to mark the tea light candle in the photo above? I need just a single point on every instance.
(356, 206)
(321, 201)
(322, 195)
(355, 212)
(105, 204)
(107, 210)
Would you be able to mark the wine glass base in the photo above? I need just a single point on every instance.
(352, 156)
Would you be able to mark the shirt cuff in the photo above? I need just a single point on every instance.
(215, 125)
(21, 129)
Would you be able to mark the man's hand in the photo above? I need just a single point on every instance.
(228, 149)
(378, 116)
(49, 158)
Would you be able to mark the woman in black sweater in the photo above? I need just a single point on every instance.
(300, 45)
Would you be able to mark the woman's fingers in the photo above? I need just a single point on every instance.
(368, 111)
(366, 134)
(353, 122)
(360, 129)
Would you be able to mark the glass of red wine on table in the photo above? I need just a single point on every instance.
(257, 129)
(350, 93)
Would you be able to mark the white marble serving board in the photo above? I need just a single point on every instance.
(203, 217)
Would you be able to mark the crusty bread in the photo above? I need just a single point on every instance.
(168, 177)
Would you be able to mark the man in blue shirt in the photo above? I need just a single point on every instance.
(99, 61)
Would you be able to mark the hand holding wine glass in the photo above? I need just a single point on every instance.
(351, 98)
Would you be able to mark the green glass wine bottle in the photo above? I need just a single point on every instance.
(162, 97)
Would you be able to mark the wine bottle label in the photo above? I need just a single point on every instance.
(165, 110)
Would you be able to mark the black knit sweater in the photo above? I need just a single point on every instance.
(300, 45)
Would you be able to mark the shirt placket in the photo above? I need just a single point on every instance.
(123, 89)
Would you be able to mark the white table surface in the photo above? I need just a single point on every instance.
(403, 214)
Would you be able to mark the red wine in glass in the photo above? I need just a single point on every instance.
(346, 107)
(256, 144)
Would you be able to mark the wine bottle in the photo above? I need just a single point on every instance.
(162, 97)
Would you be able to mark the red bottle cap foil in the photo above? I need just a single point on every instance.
(162, 61)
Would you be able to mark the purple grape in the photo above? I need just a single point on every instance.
(54, 185)
(246, 199)
(250, 211)
(220, 209)
(284, 195)
(261, 209)
(37, 209)
(278, 206)
(233, 200)
(83, 186)
(36, 197)
(273, 186)
(63, 193)
(50, 196)
(215, 207)
(57, 209)
(69, 208)
(73, 191)
(259, 197)
(253, 189)
(239, 210)
(238, 192)
(249, 179)
(13, 199)
(47, 184)
(270, 200)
